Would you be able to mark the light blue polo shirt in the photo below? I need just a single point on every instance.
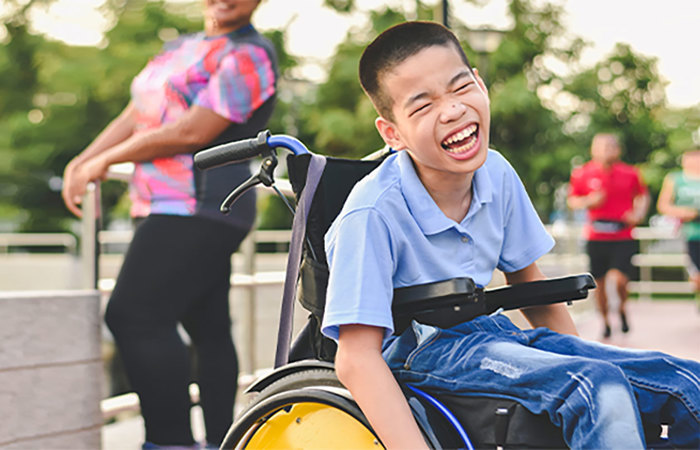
(390, 233)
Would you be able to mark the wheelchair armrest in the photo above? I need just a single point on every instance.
(441, 303)
(447, 303)
(412, 297)
(554, 290)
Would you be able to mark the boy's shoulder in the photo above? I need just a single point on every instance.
(388, 183)
(377, 186)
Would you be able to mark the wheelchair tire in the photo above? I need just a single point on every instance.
(301, 380)
(306, 417)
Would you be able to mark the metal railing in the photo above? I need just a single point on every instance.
(58, 240)
(89, 247)
(659, 247)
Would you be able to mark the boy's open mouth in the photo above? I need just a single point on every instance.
(462, 141)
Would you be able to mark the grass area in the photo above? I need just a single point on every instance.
(662, 297)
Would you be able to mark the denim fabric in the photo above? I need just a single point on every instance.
(601, 396)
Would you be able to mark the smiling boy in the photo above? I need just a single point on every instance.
(446, 206)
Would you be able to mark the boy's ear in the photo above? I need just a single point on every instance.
(389, 133)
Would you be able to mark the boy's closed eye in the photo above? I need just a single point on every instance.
(420, 108)
(464, 86)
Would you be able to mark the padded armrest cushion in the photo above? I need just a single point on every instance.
(553, 290)
(442, 303)
(449, 302)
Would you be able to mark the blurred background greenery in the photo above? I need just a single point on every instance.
(54, 98)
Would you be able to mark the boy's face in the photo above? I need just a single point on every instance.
(441, 112)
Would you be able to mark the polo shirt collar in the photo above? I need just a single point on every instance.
(424, 210)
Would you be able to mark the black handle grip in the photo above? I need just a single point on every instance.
(232, 152)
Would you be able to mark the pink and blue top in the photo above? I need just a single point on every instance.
(233, 75)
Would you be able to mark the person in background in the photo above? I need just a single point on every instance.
(616, 199)
(680, 198)
(201, 90)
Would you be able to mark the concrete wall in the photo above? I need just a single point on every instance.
(50, 370)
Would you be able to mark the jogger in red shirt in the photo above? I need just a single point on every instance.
(617, 200)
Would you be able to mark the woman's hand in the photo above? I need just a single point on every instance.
(76, 177)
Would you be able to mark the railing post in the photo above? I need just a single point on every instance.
(250, 330)
(89, 246)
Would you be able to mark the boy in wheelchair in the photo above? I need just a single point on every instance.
(446, 206)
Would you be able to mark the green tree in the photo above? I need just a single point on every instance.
(59, 97)
(55, 98)
(340, 121)
(624, 94)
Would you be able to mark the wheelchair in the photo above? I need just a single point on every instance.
(301, 403)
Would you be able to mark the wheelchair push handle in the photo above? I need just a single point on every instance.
(232, 152)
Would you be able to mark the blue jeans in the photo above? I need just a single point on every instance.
(601, 396)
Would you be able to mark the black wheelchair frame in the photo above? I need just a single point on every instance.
(304, 369)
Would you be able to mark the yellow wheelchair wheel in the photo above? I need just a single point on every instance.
(311, 425)
(304, 410)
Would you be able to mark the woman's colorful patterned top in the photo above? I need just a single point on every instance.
(233, 75)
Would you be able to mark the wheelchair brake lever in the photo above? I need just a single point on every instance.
(264, 176)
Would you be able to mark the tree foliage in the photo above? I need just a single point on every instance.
(55, 98)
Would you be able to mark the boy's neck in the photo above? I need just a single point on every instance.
(452, 194)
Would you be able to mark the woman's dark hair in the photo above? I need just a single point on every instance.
(391, 48)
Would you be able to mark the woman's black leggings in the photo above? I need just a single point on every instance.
(177, 271)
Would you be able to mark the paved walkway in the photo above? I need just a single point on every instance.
(669, 326)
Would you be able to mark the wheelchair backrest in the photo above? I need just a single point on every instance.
(338, 179)
(442, 303)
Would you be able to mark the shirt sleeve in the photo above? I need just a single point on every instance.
(242, 81)
(360, 288)
(525, 238)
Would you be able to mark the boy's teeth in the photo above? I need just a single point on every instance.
(462, 148)
(461, 135)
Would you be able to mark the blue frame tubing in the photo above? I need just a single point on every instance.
(447, 414)
(290, 143)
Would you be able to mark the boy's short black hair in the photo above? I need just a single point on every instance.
(391, 48)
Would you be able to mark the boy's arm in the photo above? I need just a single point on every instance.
(555, 316)
(361, 368)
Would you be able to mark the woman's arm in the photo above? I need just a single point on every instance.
(118, 130)
(555, 316)
(667, 206)
(361, 368)
(194, 130)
